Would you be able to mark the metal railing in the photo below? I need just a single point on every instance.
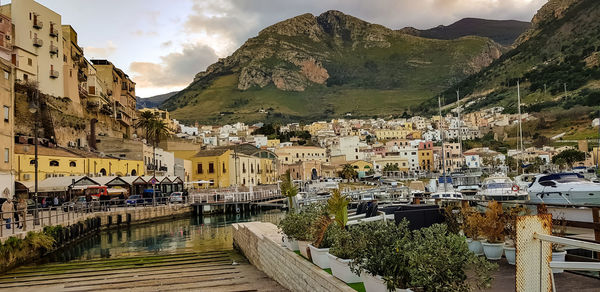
(233, 196)
(22, 221)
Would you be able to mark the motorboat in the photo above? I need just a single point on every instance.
(525, 180)
(449, 195)
(501, 188)
(564, 189)
(466, 184)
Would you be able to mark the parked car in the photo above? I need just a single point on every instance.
(134, 200)
(80, 203)
(176, 197)
(150, 194)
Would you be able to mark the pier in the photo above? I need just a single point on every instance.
(235, 200)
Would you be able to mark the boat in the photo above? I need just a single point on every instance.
(467, 184)
(449, 195)
(501, 188)
(417, 189)
(564, 189)
(525, 180)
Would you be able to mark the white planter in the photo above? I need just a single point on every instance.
(303, 247)
(510, 252)
(290, 243)
(493, 251)
(377, 284)
(558, 256)
(475, 246)
(340, 269)
(319, 256)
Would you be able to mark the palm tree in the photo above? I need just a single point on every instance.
(288, 189)
(348, 172)
(337, 205)
(146, 118)
(156, 130)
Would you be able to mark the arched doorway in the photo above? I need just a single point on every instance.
(314, 175)
(103, 172)
(133, 172)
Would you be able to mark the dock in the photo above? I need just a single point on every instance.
(235, 201)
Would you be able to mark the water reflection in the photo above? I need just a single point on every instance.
(198, 234)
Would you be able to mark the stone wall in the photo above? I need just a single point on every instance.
(261, 244)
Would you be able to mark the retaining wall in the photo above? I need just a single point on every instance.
(261, 244)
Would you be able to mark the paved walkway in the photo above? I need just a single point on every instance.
(208, 271)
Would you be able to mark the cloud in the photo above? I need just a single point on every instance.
(101, 52)
(174, 69)
(166, 44)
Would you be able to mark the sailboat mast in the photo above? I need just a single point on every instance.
(442, 137)
(459, 124)
(520, 123)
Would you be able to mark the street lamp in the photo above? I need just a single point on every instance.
(34, 108)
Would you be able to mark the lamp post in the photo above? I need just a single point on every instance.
(34, 108)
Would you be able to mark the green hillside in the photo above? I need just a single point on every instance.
(560, 52)
(309, 68)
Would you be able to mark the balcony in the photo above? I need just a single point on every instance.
(109, 92)
(38, 24)
(53, 50)
(75, 57)
(124, 119)
(93, 106)
(81, 76)
(83, 93)
(53, 31)
(106, 110)
(53, 73)
(38, 42)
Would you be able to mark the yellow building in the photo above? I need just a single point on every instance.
(58, 162)
(212, 166)
(389, 134)
(426, 160)
(401, 162)
(293, 154)
(273, 143)
(163, 116)
(316, 127)
(6, 130)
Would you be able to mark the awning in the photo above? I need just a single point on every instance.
(116, 191)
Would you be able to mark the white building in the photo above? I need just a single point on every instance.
(260, 141)
(473, 161)
(348, 146)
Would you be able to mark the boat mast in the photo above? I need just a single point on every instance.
(520, 124)
(459, 125)
(442, 137)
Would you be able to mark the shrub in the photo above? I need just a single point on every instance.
(343, 244)
(300, 225)
(472, 223)
(337, 205)
(493, 223)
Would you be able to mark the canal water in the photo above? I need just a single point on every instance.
(196, 234)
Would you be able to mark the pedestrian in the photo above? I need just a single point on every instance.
(55, 202)
(17, 221)
(7, 212)
(22, 209)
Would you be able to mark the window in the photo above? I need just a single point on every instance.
(32, 162)
(224, 169)
(72, 164)
(244, 168)
(25, 77)
(6, 73)
(6, 113)
(54, 163)
(251, 168)
(6, 154)
(211, 168)
(200, 168)
(29, 62)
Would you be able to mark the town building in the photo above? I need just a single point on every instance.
(7, 128)
(294, 154)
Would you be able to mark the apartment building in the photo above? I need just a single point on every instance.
(121, 93)
(75, 73)
(6, 129)
(37, 45)
(294, 154)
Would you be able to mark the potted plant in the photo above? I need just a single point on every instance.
(493, 230)
(558, 250)
(510, 229)
(322, 240)
(298, 226)
(341, 253)
(471, 225)
(290, 227)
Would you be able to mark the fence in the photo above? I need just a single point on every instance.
(36, 219)
(234, 196)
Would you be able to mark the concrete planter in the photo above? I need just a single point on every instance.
(290, 243)
(493, 251)
(510, 252)
(377, 284)
(340, 269)
(558, 256)
(303, 247)
(475, 246)
(319, 256)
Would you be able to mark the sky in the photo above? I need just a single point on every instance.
(162, 44)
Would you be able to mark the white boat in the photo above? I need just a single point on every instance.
(564, 189)
(525, 180)
(449, 195)
(499, 188)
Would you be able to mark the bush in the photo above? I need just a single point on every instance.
(343, 244)
(299, 226)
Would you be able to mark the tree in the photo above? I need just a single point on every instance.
(144, 122)
(337, 205)
(156, 130)
(569, 157)
(348, 172)
(391, 167)
(288, 189)
(541, 141)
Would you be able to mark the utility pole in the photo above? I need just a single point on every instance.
(34, 108)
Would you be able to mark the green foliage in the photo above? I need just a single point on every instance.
(300, 226)
(288, 189)
(391, 167)
(337, 205)
(348, 172)
(493, 223)
(569, 157)
(343, 246)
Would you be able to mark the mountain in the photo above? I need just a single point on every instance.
(556, 61)
(504, 32)
(315, 67)
(153, 101)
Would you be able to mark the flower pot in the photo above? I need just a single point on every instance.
(493, 251)
(340, 269)
(475, 246)
(319, 256)
(290, 243)
(511, 254)
(303, 247)
(377, 284)
(558, 256)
